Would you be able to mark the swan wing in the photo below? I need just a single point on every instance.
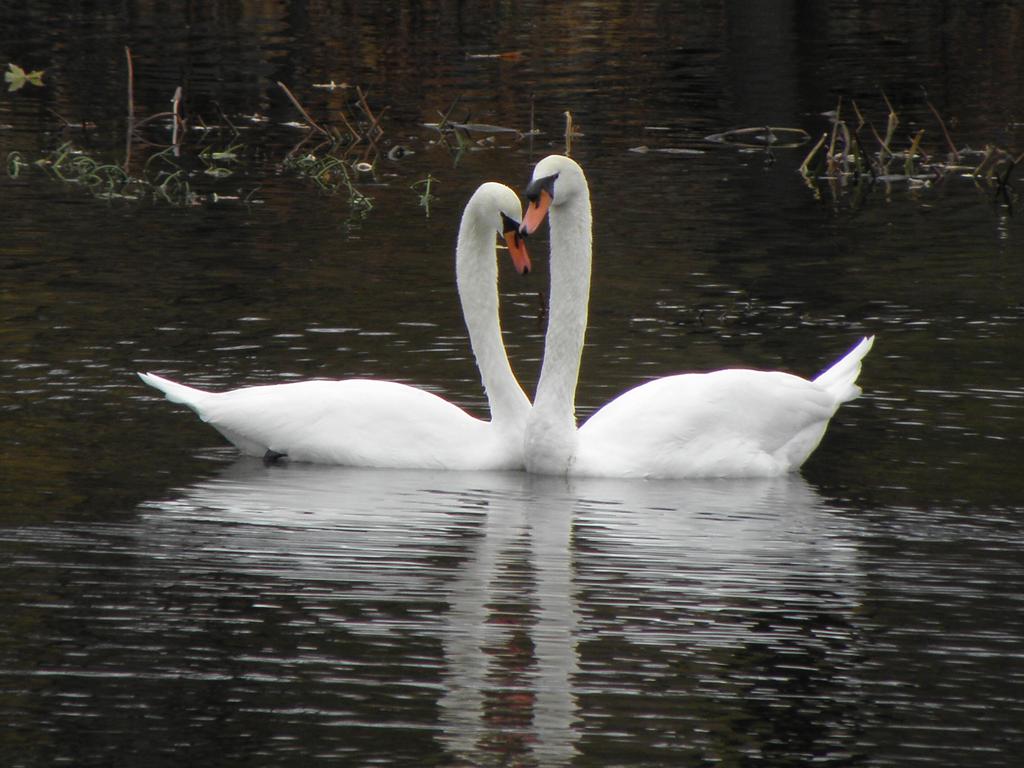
(729, 423)
(358, 422)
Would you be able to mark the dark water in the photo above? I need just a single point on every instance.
(167, 604)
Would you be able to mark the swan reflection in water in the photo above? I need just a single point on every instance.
(513, 574)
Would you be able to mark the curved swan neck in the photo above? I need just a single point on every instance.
(476, 271)
(552, 433)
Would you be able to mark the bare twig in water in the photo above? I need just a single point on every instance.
(949, 141)
(914, 146)
(892, 124)
(82, 126)
(295, 150)
(864, 161)
(989, 151)
(879, 139)
(1004, 180)
(131, 84)
(374, 131)
(812, 153)
(835, 134)
(849, 160)
(131, 109)
(444, 118)
(353, 132)
(860, 118)
(569, 133)
(846, 147)
(305, 114)
(226, 119)
(177, 131)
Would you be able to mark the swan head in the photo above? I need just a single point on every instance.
(556, 180)
(498, 203)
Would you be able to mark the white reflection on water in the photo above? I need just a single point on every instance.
(530, 569)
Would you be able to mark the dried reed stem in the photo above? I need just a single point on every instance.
(176, 134)
(131, 109)
(444, 118)
(890, 128)
(860, 118)
(374, 121)
(909, 164)
(812, 153)
(952, 148)
(298, 106)
(832, 143)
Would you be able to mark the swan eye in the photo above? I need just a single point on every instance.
(508, 224)
(535, 187)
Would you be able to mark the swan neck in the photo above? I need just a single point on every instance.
(553, 427)
(476, 272)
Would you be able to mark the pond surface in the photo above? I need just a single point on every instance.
(167, 603)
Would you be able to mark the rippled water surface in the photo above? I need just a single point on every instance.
(167, 603)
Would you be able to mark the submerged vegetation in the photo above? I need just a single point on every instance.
(16, 77)
(854, 155)
(185, 160)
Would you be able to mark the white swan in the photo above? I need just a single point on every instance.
(729, 423)
(371, 423)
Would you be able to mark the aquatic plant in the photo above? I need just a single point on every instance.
(423, 187)
(331, 174)
(365, 131)
(463, 132)
(105, 180)
(16, 77)
(174, 156)
(840, 158)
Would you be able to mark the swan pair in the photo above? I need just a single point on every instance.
(729, 423)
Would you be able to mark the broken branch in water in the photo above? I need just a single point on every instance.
(847, 158)
(374, 131)
(570, 132)
(912, 153)
(812, 153)
(176, 109)
(444, 118)
(952, 148)
(131, 109)
(835, 134)
(291, 97)
(892, 122)
(1004, 180)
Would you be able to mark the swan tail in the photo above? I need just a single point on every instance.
(840, 380)
(176, 393)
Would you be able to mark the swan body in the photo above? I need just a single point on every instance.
(729, 423)
(375, 423)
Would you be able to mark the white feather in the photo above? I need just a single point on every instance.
(371, 423)
(730, 423)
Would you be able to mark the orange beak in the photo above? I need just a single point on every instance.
(536, 210)
(517, 250)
